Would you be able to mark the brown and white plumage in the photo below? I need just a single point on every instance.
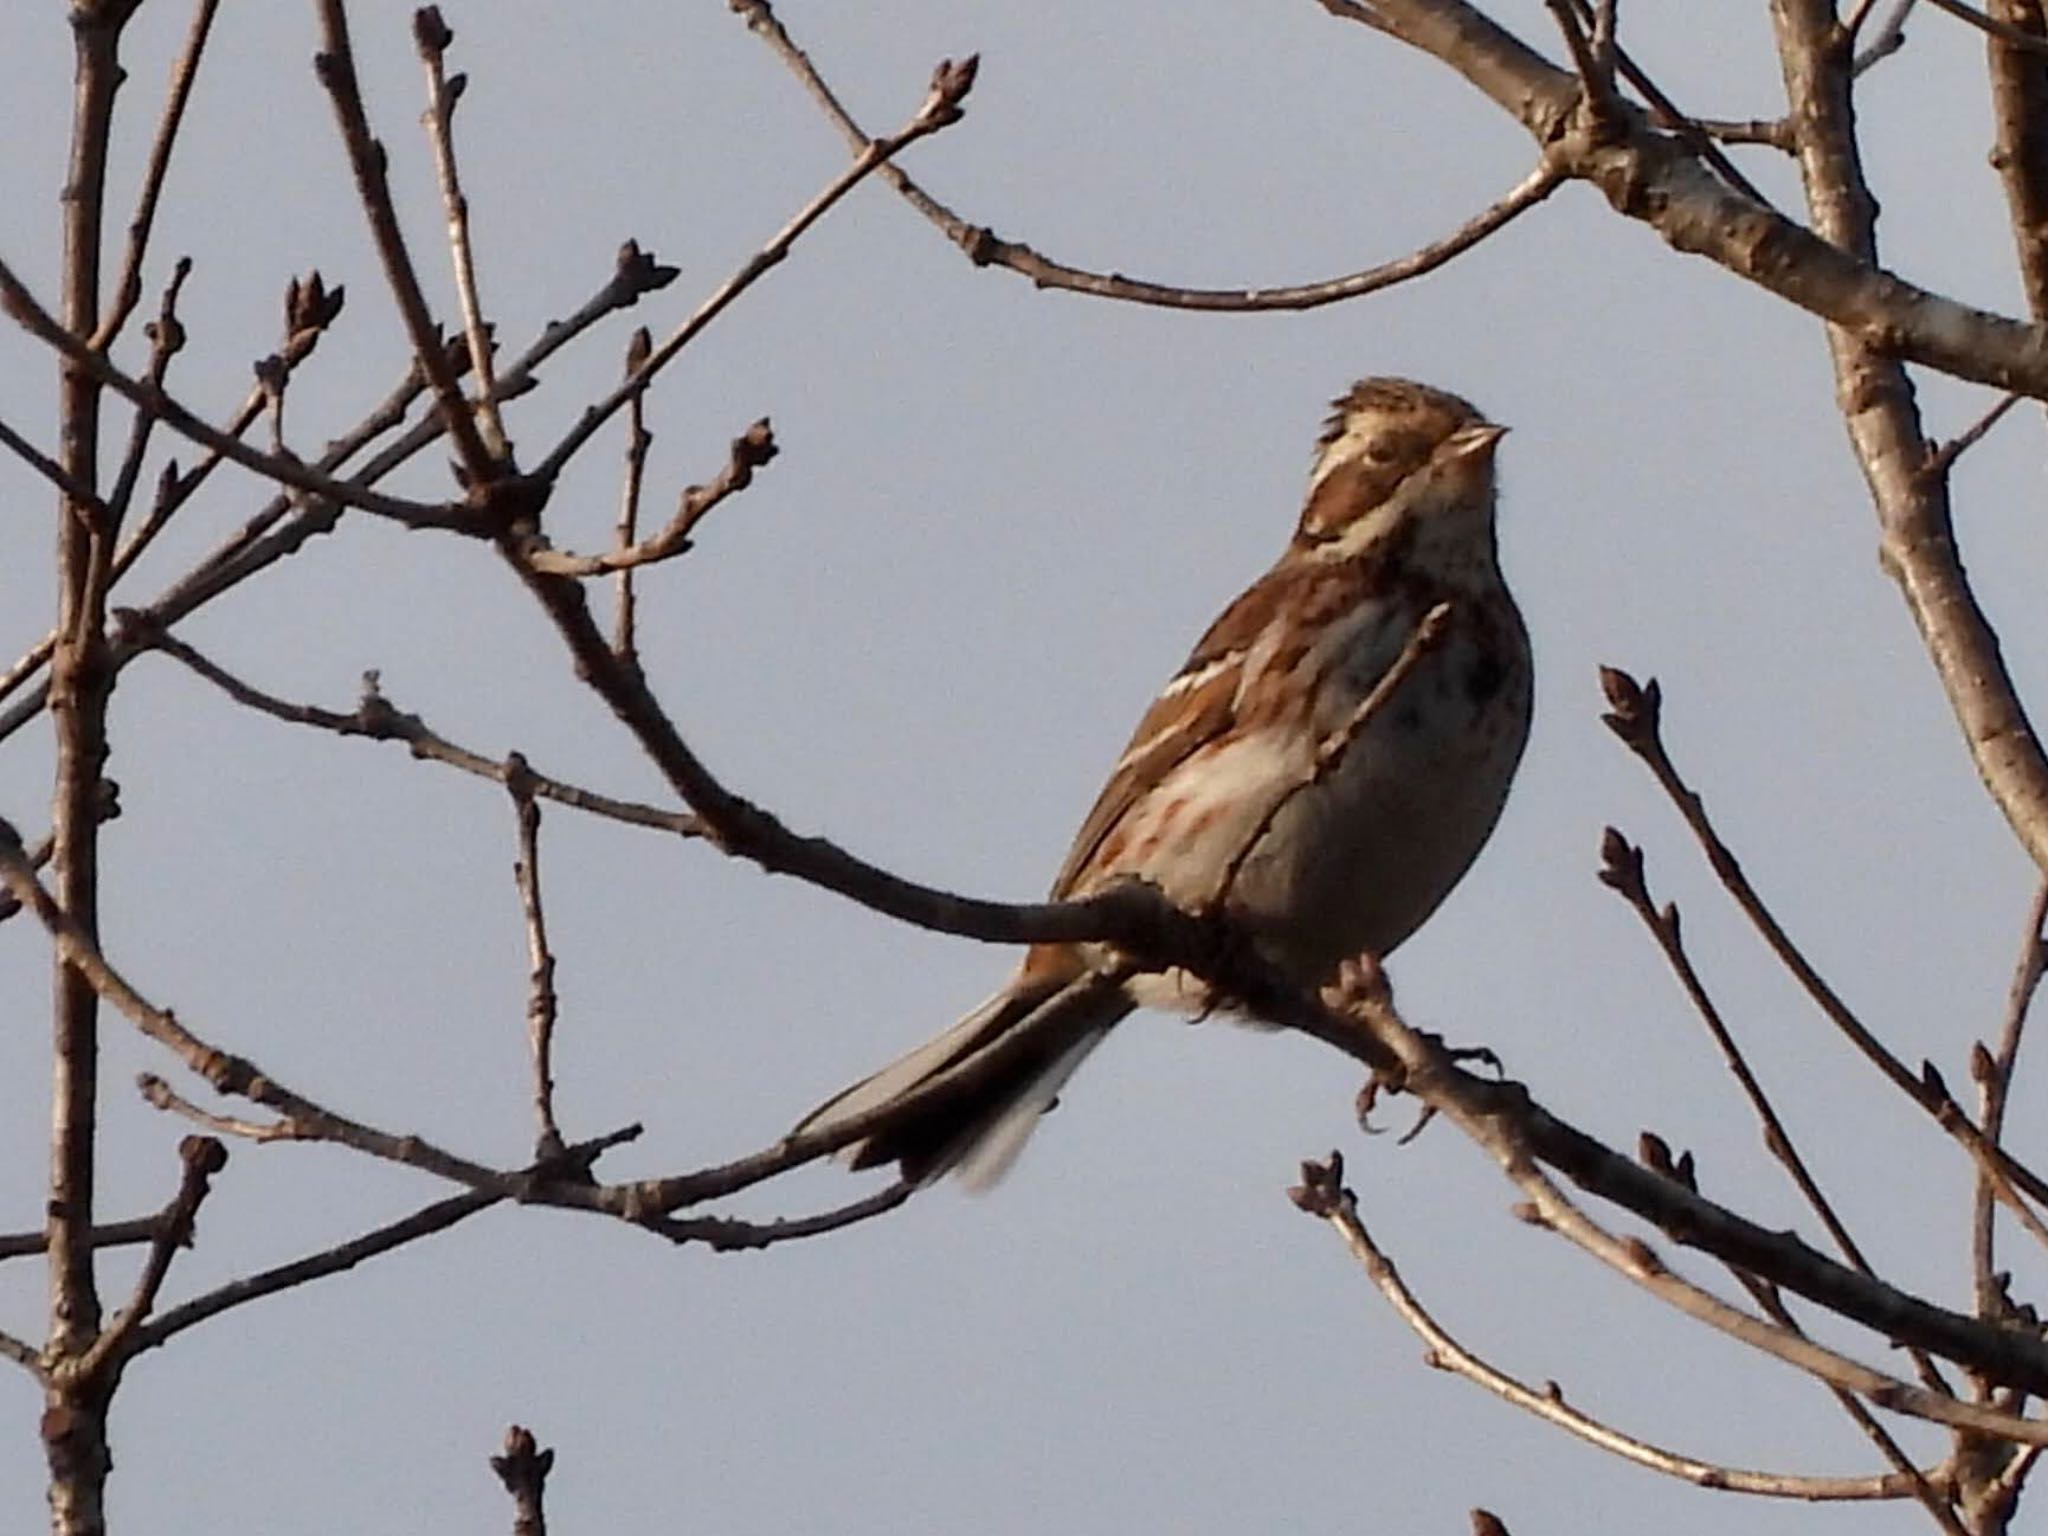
(1217, 787)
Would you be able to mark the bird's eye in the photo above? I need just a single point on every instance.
(1380, 452)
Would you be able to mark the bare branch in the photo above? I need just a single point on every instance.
(1636, 719)
(342, 1257)
(542, 1004)
(984, 247)
(1993, 1071)
(1891, 37)
(1943, 456)
(1324, 1194)
(166, 340)
(284, 470)
(1919, 547)
(128, 287)
(1934, 1490)
(75, 489)
(1622, 872)
(374, 719)
(23, 1354)
(2013, 37)
(115, 1234)
(159, 1094)
(261, 541)
(1500, 1118)
(751, 450)
(2019, 104)
(432, 36)
(726, 1234)
(940, 109)
(80, 685)
(638, 441)
(336, 66)
(201, 1157)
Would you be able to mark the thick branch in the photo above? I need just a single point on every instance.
(1876, 321)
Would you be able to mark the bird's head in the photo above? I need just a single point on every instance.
(1400, 461)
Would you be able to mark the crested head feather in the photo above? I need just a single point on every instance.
(1389, 448)
(1393, 398)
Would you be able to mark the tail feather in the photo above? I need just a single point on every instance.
(972, 1096)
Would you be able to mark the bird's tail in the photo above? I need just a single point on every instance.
(971, 1098)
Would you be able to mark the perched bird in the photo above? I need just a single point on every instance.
(1220, 798)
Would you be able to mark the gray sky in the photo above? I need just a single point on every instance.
(999, 518)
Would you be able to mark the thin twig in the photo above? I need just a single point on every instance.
(984, 248)
(128, 287)
(201, 1157)
(1635, 717)
(727, 1234)
(1770, 133)
(166, 340)
(310, 307)
(1993, 1071)
(2016, 37)
(114, 1234)
(1499, 1117)
(1890, 38)
(1944, 455)
(1622, 872)
(77, 490)
(159, 1094)
(336, 67)
(432, 36)
(638, 441)
(260, 542)
(425, 1222)
(940, 109)
(375, 719)
(1596, 75)
(1324, 1194)
(1928, 1487)
(284, 470)
(38, 856)
(1663, 110)
(541, 1002)
(750, 451)
(23, 1354)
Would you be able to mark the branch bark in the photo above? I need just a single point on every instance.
(1876, 322)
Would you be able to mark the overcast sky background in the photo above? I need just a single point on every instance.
(999, 518)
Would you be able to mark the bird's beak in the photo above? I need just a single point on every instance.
(1470, 442)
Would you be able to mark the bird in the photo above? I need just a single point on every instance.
(1266, 781)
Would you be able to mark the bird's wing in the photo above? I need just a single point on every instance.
(1196, 707)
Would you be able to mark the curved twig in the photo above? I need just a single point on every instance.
(1324, 1194)
(985, 248)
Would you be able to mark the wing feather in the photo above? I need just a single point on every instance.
(1196, 707)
